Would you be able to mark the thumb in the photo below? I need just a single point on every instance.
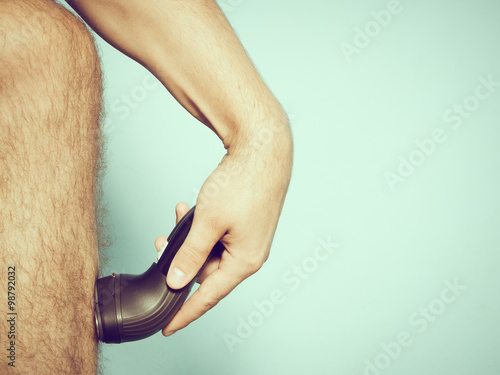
(195, 250)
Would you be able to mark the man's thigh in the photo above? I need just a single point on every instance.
(50, 100)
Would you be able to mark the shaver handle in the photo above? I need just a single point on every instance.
(177, 238)
(133, 307)
(175, 241)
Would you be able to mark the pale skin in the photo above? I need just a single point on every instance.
(50, 100)
(193, 51)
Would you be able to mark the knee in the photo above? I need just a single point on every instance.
(40, 39)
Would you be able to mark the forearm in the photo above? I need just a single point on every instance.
(191, 48)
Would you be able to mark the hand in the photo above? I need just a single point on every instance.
(239, 205)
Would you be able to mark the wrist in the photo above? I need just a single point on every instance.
(265, 155)
(270, 137)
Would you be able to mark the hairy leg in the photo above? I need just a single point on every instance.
(50, 98)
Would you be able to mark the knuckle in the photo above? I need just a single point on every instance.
(191, 255)
(252, 265)
(209, 304)
(210, 300)
(211, 220)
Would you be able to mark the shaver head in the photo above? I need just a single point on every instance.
(133, 307)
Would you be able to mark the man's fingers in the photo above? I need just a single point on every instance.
(160, 243)
(214, 288)
(181, 209)
(211, 266)
(194, 251)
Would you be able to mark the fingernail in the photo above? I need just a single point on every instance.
(176, 277)
(162, 249)
(169, 333)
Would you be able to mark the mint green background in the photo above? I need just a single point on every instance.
(351, 121)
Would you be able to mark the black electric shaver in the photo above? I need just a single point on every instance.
(133, 307)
